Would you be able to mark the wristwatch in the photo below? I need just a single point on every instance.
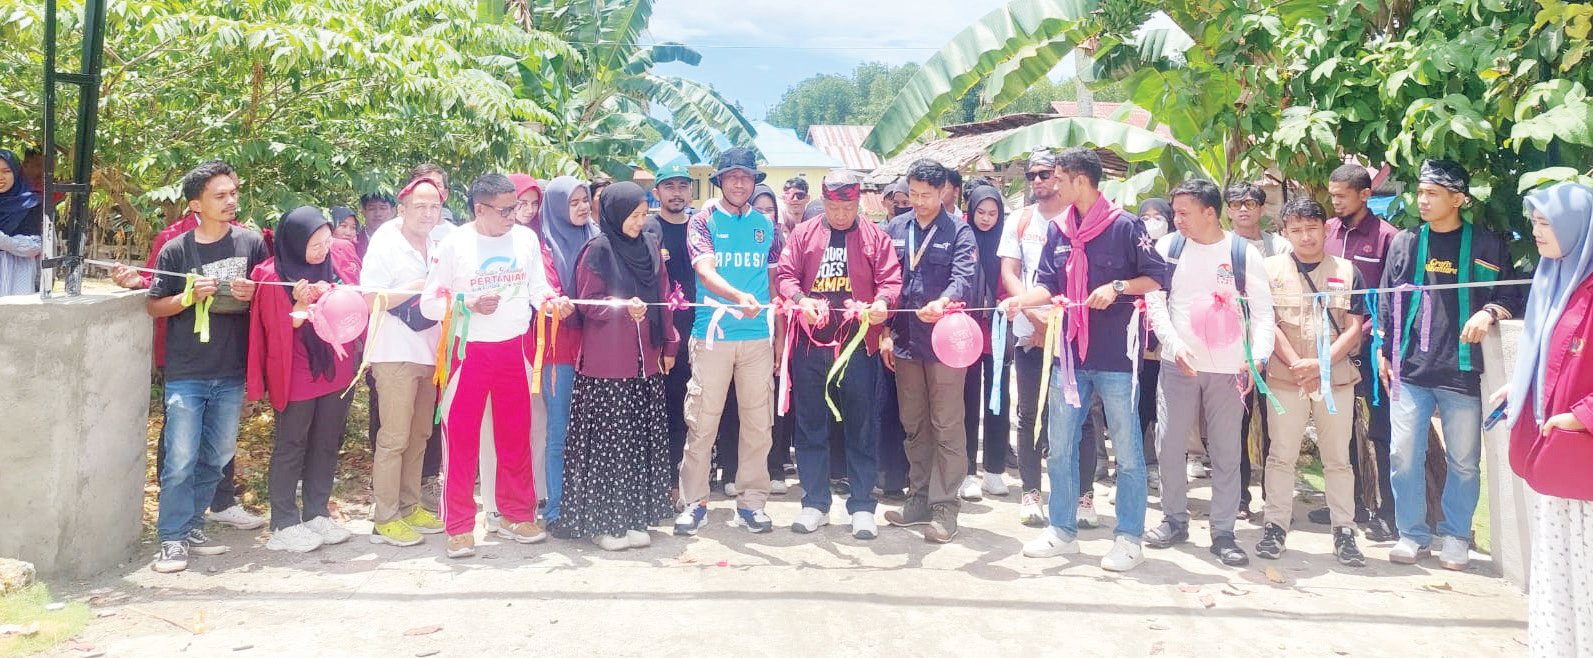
(1119, 286)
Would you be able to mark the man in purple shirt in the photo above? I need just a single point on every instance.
(1360, 236)
(1099, 255)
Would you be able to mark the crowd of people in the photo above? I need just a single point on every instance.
(598, 368)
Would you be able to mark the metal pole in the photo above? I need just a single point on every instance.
(47, 136)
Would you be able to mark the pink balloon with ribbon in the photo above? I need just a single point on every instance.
(1215, 321)
(339, 317)
(957, 339)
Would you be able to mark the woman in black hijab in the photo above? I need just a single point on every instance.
(21, 227)
(987, 214)
(303, 375)
(617, 473)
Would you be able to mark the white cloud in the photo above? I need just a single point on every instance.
(853, 27)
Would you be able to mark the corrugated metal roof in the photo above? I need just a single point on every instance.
(1138, 117)
(846, 144)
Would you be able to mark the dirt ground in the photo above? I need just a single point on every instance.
(728, 592)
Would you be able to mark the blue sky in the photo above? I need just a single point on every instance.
(792, 41)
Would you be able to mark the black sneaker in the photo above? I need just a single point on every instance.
(173, 557)
(1380, 530)
(915, 512)
(1167, 534)
(943, 527)
(1344, 548)
(1320, 516)
(201, 544)
(1271, 544)
(1227, 551)
(840, 487)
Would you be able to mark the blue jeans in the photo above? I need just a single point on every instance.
(1065, 429)
(200, 435)
(557, 399)
(1461, 416)
(853, 395)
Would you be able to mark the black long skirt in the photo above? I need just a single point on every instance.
(617, 474)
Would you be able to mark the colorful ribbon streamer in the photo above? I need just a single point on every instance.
(790, 311)
(201, 308)
(455, 335)
(1136, 338)
(1053, 334)
(998, 357)
(1377, 348)
(720, 311)
(1324, 350)
(1250, 358)
(547, 319)
(855, 311)
(1399, 339)
(378, 309)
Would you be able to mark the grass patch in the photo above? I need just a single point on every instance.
(26, 608)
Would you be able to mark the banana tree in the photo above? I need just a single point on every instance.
(606, 92)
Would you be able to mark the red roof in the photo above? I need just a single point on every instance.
(845, 143)
(1138, 117)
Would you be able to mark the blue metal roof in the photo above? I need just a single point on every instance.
(780, 147)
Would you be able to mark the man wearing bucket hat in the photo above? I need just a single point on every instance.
(733, 248)
(938, 259)
(1099, 255)
(1445, 249)
(672, 188)
(830, 264)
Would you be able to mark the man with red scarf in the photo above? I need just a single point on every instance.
(1100, 256)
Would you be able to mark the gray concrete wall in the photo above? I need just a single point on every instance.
(74, 408)
(1509, 498)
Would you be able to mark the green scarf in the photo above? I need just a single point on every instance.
(1466, 266)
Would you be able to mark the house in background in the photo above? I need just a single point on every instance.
(845, 143)
(783, 156)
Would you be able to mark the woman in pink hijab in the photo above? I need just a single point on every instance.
(529, 212)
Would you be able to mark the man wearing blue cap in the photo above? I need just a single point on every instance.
(733, 250)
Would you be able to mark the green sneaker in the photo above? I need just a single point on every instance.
(396, 533)
(423, 521)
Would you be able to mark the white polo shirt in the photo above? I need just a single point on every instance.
(391, 262)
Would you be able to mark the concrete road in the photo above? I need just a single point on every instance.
(731, 593)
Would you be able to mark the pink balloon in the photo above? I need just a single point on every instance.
(1215, 320)
(339, 317)
(957, 340)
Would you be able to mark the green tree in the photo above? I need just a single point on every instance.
(314, 103)
(603, 94)
(858, 99)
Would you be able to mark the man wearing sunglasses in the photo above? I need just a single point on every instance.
(796, 203)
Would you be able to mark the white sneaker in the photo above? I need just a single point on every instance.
(638, 538)
(810, 519)
(237, 517)
(1454, 555)
(1196, 470)
(778, 487)
(1032, 511)
(730, 490)
(494, 522)
(611, 542)
(1087, 518)
(863, 526)
(994, 485)
(331, 533)
(971, 489)
(294, 539)
(1405, 551)
(1050, 544)
(1124, 555)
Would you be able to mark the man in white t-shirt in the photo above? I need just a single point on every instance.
(403, 356)
(1205, 372)
(1021, 244)
(489, 276)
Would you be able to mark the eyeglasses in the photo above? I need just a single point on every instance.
(797, 195)
(1043, 174)
(1243, 205)
(504, 211)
